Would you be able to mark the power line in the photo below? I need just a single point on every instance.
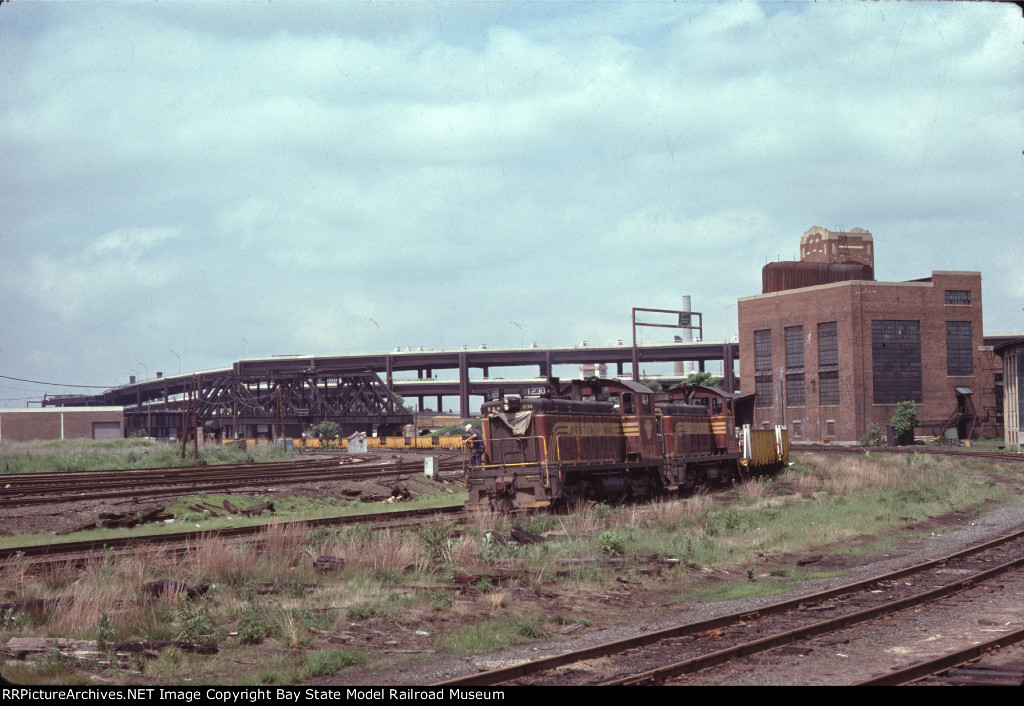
(55, 384)
(19, 389)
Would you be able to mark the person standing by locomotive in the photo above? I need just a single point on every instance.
(476, 446)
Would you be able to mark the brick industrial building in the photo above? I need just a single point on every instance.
(831, 352)
(48, 424)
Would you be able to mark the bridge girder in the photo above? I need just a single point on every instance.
(283, 403)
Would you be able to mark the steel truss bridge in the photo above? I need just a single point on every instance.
(230, 405)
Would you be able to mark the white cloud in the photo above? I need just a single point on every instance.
(133, 242)
(77, 281)
(561, 161)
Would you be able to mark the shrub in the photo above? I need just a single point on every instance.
(254, 624)
(194, 623)
(611, 542)
(903, 423)
(13, 619)
(327, 432)
(442, 600)
(104, 635)
(874, 437)
(439, 541)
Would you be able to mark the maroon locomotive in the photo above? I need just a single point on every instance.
(609, 440)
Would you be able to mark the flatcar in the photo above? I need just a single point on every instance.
(611, 440)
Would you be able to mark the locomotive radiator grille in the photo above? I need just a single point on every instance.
(573, 450)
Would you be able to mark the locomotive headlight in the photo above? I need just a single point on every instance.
(510, 404)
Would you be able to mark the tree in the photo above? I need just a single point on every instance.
(407, 407)
(702, 377)
(653, 385)
(903, 423)
(699, 377)
(326, 431)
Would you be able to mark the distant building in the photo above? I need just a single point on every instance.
(51, 423)
(831, 352)
(822, 245)
(1012, 354)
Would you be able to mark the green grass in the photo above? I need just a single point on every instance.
(115, 454)
(288, 669)
(386, 608)
(323, 663)
(990, 445)
(742, 587)
(491, 635)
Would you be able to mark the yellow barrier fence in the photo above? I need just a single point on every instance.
(372, 442)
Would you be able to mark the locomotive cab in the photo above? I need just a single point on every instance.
(728, 412)
(635, 404)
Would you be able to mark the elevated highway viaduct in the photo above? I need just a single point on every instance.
(259, 376)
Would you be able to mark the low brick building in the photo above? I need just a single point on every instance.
(51, 423)
(830, 352)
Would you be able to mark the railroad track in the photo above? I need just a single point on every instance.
(973, 666)
(655, 657)
(1014, 458)
(48, 488)
(40, 556)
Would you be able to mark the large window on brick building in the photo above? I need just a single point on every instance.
(828, 388)
(828, 363)
(795, 390)
(794, 347)
(896, 361)
(959, 356)
(795, 366)
(763, 350)
(958, 296)
(763, 368)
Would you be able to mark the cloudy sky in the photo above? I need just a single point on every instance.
(190, 184)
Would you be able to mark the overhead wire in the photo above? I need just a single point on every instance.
(55, 384)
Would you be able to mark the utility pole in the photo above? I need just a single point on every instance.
(190, 422)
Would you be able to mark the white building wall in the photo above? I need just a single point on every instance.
(1013, 372)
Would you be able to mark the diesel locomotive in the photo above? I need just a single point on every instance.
(612, 440)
